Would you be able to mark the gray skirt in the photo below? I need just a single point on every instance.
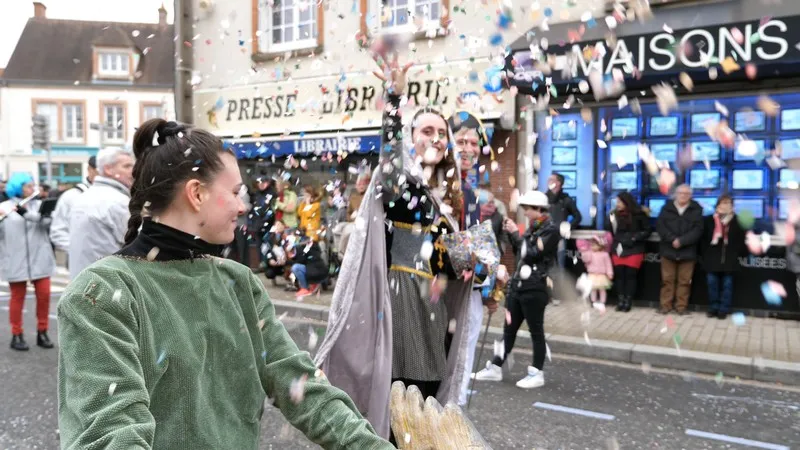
(418, 329)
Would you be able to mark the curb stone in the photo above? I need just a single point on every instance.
(663, 357)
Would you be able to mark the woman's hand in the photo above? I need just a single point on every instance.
(510, 226)
(388, 59)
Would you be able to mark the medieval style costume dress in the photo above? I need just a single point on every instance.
(383, 324)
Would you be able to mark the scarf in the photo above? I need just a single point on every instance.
(487, 210)
(537, 223)
(680, 209)
(722, 225)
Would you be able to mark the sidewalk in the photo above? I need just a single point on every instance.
(765, 349)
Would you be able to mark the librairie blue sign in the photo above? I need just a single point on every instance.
(306, 147)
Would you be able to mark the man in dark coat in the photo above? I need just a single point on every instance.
(262, 214)
(722, 243)
(562, 209)
(679, 226)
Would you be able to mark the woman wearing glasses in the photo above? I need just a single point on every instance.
(529, 291)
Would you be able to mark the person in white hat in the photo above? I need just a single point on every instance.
(529, 289)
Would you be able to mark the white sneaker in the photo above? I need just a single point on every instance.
(534, 379)
(490, 373)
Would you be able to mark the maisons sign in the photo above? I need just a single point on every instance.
(763, 41)
(345, 102)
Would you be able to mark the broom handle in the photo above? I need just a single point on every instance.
(480, 355)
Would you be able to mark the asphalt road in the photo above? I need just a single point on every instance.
(612, 406)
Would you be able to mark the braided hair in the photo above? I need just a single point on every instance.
(167, 155)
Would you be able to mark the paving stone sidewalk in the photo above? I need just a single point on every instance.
(758, 337)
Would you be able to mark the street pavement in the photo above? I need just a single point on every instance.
(586, 404)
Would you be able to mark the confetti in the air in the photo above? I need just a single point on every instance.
(152, 254)
(297, 389)
(111, 388)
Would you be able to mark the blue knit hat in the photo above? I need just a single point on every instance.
(15, 183)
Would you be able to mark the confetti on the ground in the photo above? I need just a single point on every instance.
(586, 338)
(738, 319)
(719, 378)
(646, 367)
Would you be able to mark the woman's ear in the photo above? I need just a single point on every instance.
(195, 194)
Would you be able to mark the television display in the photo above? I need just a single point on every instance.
(750, 121)
(655, 205)
(624, 181)
(700, 120)
(565, 130)
(748, 179)
(664, 126)
(624, 127)
(664, 152)
(790, 148)
(754, 205)
(789, 178)
(704, 179)
(783, 208)
(705, 151)
(623, 154)
(709, 204)
(570, 179)
(790, 119)
(761, 148)
(564, 156)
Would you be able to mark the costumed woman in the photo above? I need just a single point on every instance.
(390, 309)
(166, 345)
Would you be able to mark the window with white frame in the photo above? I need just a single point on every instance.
(114, 117)
(401, 15)
(288, 25)
(72, 116)
(152, 112)
(50, 111)
(115, 64)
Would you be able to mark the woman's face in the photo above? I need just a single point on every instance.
(620, 204)
(27, 190)
(220, 213)
(468, 143)
(532, 212)
(725, 207)
(307, 195)
(430, 138)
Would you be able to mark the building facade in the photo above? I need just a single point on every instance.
(93, 81)
(290, 86)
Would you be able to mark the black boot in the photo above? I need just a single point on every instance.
(628, 304)
(621, 303)
(18, 343)
(42, 340)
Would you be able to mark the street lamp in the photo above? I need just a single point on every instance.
(102, 128)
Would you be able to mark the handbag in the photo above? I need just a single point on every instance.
(478, 240)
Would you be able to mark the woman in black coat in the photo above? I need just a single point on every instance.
(630, 226)
(722, 243)
(309, 268)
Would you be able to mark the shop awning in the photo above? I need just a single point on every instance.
(254, 148)
(770, 44)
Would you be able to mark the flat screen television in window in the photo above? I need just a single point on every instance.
(705, 151)
(655, 205)
(790, 148)
(748, 180)
(665, 152)
(570, 179)
(565, 130)
(744, 121)
(664, 126)
(789, 179)
(709, 204)
(624, 181)
(783, 208)
(624, 154)
(754, 205)
(564, 156)
(700, 120)
(623, 127)
(705, 179)
(790, 119)
(744, 148)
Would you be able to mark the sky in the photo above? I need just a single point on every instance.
(17, 12)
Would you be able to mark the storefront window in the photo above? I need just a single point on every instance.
(63, 173)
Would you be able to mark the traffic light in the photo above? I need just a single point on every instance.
(41, 132)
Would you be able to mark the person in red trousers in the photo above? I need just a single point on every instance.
(27, 256)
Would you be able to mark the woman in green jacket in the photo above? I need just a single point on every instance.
(165, 344)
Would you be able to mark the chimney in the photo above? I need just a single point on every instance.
(162, 15)
(39, 10)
